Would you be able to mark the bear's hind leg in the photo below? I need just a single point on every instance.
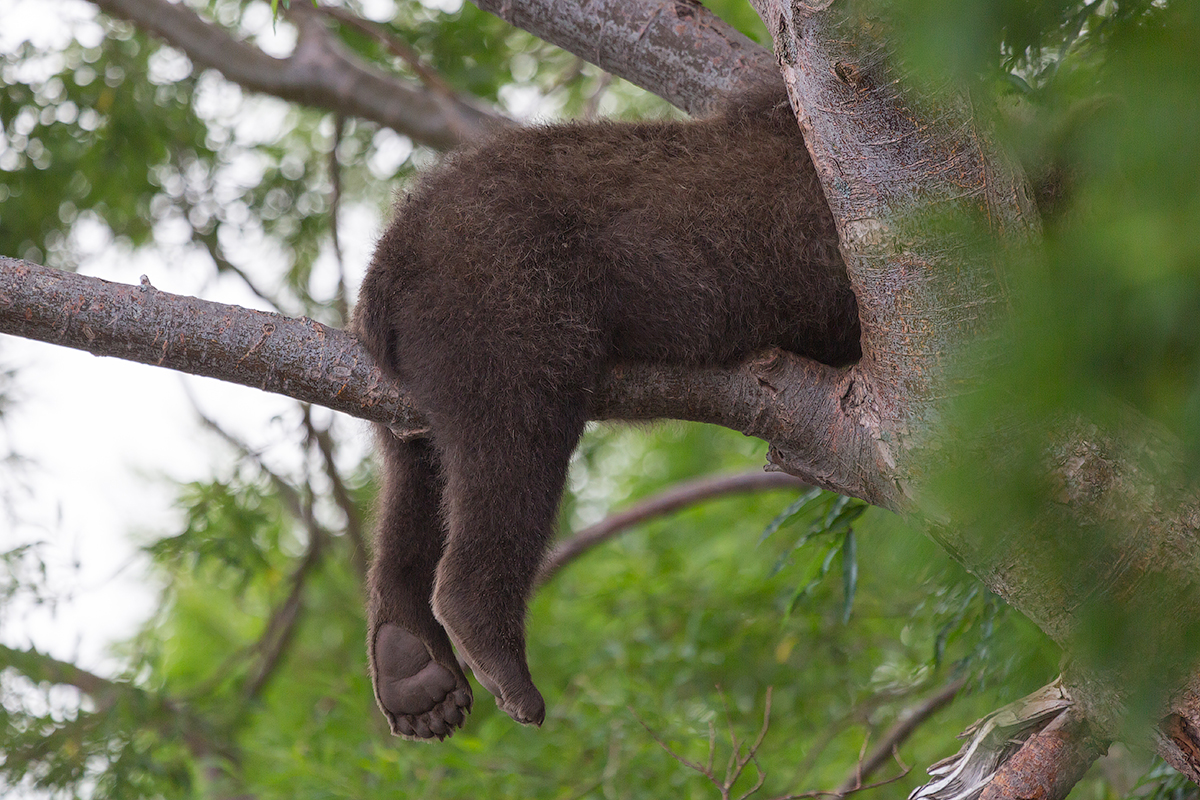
(504, 480)
(418, 682)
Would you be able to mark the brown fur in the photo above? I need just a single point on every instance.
(515, 273)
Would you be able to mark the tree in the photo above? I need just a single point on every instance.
(943, 246)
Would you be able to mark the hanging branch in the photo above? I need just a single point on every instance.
(904, 727)
(281, 625)
(341, 496)
(341, 300)
(672, 499)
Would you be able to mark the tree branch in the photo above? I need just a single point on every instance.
(39, 667)
(676, 49)
(281, 626)
(738, 759)
(793, 403)
(1120, 536)
(666, 502)
(1050, 763)
(341, 496)
(395, 46)
(1038, 746)
(321, 72)
(904, 727)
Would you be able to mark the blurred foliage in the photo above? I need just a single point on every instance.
(251, 680)
(666, 626)
(1101, 101)
(1163, 783)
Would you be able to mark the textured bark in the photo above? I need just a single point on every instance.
(677, 49)
(318, 364)
(884, 160)
(297, 357)
(1120, 530)
(1049, 764)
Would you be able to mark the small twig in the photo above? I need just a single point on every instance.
(591, 109)
(396, 46)
(905, 725)
(689, 764)
(737, 762)
(840, 793)
(341, 496)
(567, 75)
(288, 494)
(857, 778)
(669, 501)
(216, 252)
(340, 301)
(448, 100)
(752, 754)
(281, 626)
(734, 744)
(712, 745)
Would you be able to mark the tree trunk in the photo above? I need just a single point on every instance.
(905, 177)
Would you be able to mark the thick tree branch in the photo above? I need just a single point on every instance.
(889, 163)
(909, 180)
(1036, 747)
(321, 72)
(1050, 763)
(676, 49)
(296, 357)
(788, 401)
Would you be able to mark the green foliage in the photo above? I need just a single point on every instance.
(1163, 783)
(678, 625)
(833, 522)
(232, 532)
(86, 134)
(1099, 102)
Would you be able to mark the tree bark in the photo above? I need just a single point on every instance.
(314, 363)
(1120, 534)
(677, 49)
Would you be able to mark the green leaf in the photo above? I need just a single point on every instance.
(849, 574)
(788, 515)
